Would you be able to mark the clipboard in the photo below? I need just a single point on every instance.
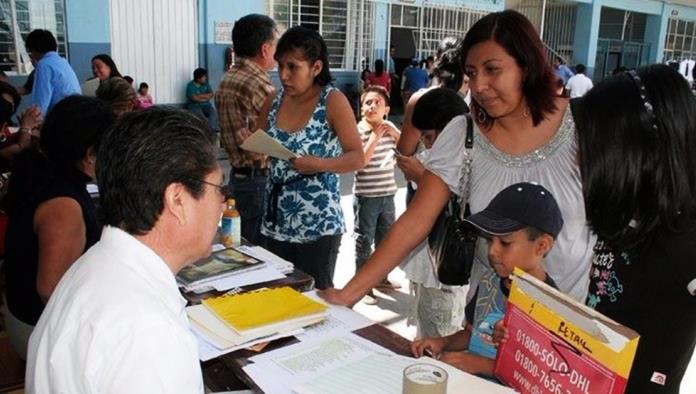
(261, 142)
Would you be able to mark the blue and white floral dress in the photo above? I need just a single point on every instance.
(303, 208)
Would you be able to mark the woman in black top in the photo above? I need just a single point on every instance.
(52, 219)
(637, 140)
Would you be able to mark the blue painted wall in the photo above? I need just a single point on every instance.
(89, 33)
(586, 34)
(211, 55)
(381, 34)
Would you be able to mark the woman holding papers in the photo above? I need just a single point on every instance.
(52, 217)
(303, 220)
(637, 140)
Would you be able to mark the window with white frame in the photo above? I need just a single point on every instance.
(431, 24)
(17, 19)
(680, 42)
(346, 26)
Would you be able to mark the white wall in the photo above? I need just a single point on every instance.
(155, 41)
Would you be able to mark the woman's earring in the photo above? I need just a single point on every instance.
(384, 116)
(526, 112)
(481, 115)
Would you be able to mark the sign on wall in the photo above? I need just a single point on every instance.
(223, 32)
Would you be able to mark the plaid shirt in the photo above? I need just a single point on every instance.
(240, 96)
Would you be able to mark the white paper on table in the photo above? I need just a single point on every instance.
(347, 363)
(261, 142)
(208, 351)
(383, 374)
(280, 369)
(265, 274)
(338, 319)
(262, 254)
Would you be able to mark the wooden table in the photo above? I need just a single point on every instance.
(225, 373)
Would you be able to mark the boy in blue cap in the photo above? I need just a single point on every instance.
(520, 225)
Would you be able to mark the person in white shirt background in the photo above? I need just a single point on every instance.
(579, 84)
(116, 321)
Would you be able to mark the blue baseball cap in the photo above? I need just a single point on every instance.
(518, 206)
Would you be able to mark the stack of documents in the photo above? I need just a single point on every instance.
(230, 322)
(271, 259)
(341, 363)
(221, 264)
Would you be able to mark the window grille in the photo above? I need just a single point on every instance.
(17, 19)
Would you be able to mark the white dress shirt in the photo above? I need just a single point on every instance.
(116, 324)
(579, 84)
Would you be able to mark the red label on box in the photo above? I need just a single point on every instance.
(534, 360)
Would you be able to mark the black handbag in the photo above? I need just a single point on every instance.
(452, 241)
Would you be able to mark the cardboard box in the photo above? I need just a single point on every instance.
(557, 345)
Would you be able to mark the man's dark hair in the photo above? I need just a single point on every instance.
(637, 151)
(199, 73)
(128, 78)
(379, 67)
(580, 69)
(436, 108)
(41, 41)
(516, 34)
(250, 32)
(312, 47)
(619, 70)
(142, 154)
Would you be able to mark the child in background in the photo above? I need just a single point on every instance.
(144, 98)
(375, 185)
(520, 225)
(438, 309)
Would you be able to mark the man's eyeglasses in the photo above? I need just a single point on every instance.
(222, 188)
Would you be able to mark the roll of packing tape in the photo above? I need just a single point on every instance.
(424, 379)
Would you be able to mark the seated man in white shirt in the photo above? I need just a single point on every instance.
(116, 322)
(579, 84)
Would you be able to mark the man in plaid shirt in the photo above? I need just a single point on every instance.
(239, 98)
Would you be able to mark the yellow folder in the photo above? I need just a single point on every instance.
(262, 307)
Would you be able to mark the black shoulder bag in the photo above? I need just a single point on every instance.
(452, 241)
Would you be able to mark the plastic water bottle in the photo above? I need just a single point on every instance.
(231, 225)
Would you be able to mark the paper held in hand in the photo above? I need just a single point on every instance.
(261, 142)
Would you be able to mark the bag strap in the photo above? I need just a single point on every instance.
(469, 142)
(465, 177)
